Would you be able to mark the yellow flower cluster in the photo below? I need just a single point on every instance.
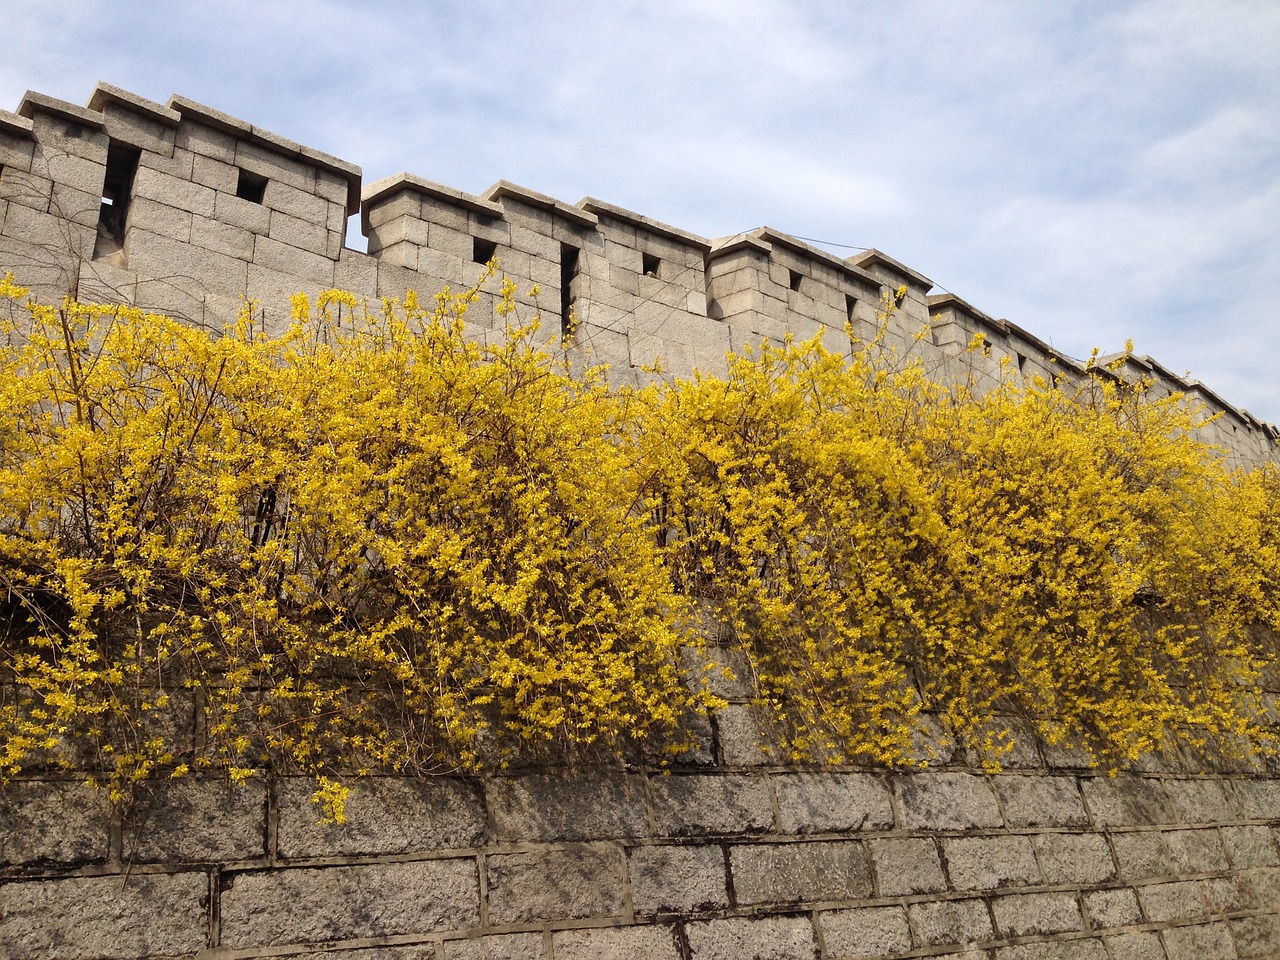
(371, 543)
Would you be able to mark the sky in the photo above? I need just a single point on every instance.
(1093, 171)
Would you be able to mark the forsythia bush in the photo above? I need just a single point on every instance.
(370, 543)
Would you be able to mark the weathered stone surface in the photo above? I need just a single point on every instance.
(385, 815)
(701, 804)
(987, 863)
(53, 822)
(669, 879)
(308, 905)
(1195, 851)
(1250, 846)
(1112, 908)
(1125, 801)
(950, 921)
(1079, 949)
(1200, 940)
(1257, 937)
(565, 883)
(906, 866)
(79, 918)
(513, 946)
(867, 932)
(1141, 855)
(198, 820)
(618, 943)
(1081, 858)
(946, 801)
(583, 806)
(1180, 900)
(745, 737)
(832, 802)
(1198, 801)
(1140, 945)
(799, 872)
(739, 938)
(1021, 915)
(1034, 801)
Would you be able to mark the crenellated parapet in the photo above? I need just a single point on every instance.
(187, 210)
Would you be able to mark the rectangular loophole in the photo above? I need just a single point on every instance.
(482, 251)
(796, 277)
(568, 293)
(850, 307)
(649, 264)
(117, 191)
(251, 187)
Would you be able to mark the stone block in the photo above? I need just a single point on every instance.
(160, 219)
(701, 804)
(356, 272)
(104, 918)
(832, 803)
(54, 134)
(740, 938)
(907, 866)
(1250, 846)
(78, 172)
(204, 140)
(245, 214)
(220, 237)
(1255, 799)
(1179, 900)
(1112, 908)
(1031, 914)
(1263, 886)
(276, 907)
(422, 951)
(1139, 945)
(1195, 851)
(867, 932)
(193, 820)
(215, 174)
(1256, 937)
(164, 261)
(745, 736)
(300, 204)
(53, 822)
(946, 801)
(583, 806)
(332, 187)
(669, 879)
(799, 872)
(172, 191)
(988, 863)
(385, 815)
(76, 206)
(46, 237)
(659, 942)
(574, 882)
(513, 946)
(1198, 801)
(138, 130)
(1125, 801)
(1079, 858)
(1089, 948)
(1140, 855)
(1034, 801)
(941, 922)
(293, 261)
(302, 234)
(1200, 940)
(16, 153)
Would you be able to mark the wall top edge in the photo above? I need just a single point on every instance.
(870, 259)
(740, 241)
(15, 124)
(33, 103)
(283, 146)
(773, 236)
(105, 93)
(505, 188)
(603, 209)
(386, 188)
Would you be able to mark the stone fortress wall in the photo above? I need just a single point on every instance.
(184, 209)
(732, 853)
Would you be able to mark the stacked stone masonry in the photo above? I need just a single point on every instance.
(731, 853)
(183, 209)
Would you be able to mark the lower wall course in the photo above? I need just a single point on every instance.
(1078, 858)
(1088, 949)
(105, 918)
(1179, 900)
(740, 938)
(906, 866)
(1112, 908)
(988, 863)
(1199, 942)
(309, 905)
(1257, 937)
(1031, 914)
(511, 946)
